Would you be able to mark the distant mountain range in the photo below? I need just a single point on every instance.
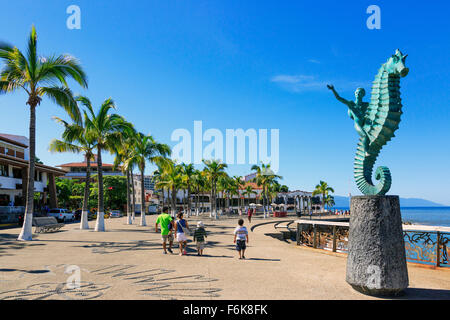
(404, 202)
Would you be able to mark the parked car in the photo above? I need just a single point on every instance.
(94, 216)
(62, 215)
(152, 209)
(115, 214)
(77, 214)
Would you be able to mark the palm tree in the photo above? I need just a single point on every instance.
(188, 172)
(272, 191)
(38, 77)
(225, 185)
(329, 201)
(214, 169)
(171, 179)
(239, 183)
(106, 130)
(76, 139)
(145, 148)
(200, 184)
(122, 152)
(248, 191)
(157, 178)
(195, 180)
(322, 189)
(264, 177)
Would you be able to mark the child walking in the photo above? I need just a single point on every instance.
(199, 237)
(240, 235)
(182, 227)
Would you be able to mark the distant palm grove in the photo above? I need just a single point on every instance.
(91, 129)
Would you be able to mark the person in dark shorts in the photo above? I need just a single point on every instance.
(166, 223)
(241, 238)
(199, 237)
(249, 215)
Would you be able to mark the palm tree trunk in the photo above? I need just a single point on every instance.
(174, 202)
(162, 197)
(185, 203)
(266, 205)
(215, 200)
(189, 199)
(202, 205)
(100, 224)
(84, 213)
(26, 233)
(143, 222)
(239, 202)
(211, 200)
(168, 198)
(133, 212)
(196, 202)
(129, 221)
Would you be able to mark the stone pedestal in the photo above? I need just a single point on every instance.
(376, 263)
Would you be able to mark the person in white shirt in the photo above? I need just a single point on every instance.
(241, 238)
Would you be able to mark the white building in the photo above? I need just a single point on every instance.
(149, 189)
(14, 162)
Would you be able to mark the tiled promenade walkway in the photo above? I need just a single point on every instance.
(127, 262)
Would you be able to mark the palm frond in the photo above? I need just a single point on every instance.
(32, 53)
(63, 97)
(62, 146)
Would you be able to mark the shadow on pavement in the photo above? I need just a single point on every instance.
(262, 259)
(428, 294)
(26, 271)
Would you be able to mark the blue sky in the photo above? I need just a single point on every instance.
(256, 64)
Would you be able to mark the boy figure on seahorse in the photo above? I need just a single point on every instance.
(376, 123)
(357, 111)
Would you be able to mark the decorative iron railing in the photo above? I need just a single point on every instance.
(427, 247)
(423, 244)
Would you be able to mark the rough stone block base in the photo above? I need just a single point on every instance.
(376, 263)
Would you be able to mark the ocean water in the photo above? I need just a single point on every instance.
(432, 216)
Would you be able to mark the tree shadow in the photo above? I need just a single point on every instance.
(135, 230)
(10, 242)
(262, 259)
(205, 255)
(26, 271)
(425, 294)
(114, 247)
(8, 236)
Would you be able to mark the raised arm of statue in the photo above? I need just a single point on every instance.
(349, 104)
(338, 97)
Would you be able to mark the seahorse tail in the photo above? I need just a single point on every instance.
(363, 167)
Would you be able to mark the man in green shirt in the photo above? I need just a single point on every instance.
(166, 223)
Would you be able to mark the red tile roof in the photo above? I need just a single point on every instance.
(83, 165)
(251, 184)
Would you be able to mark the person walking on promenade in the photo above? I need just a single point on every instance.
(199, 237)
(182, 228)
(249, 215)
(166, 223)
(240, 237)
